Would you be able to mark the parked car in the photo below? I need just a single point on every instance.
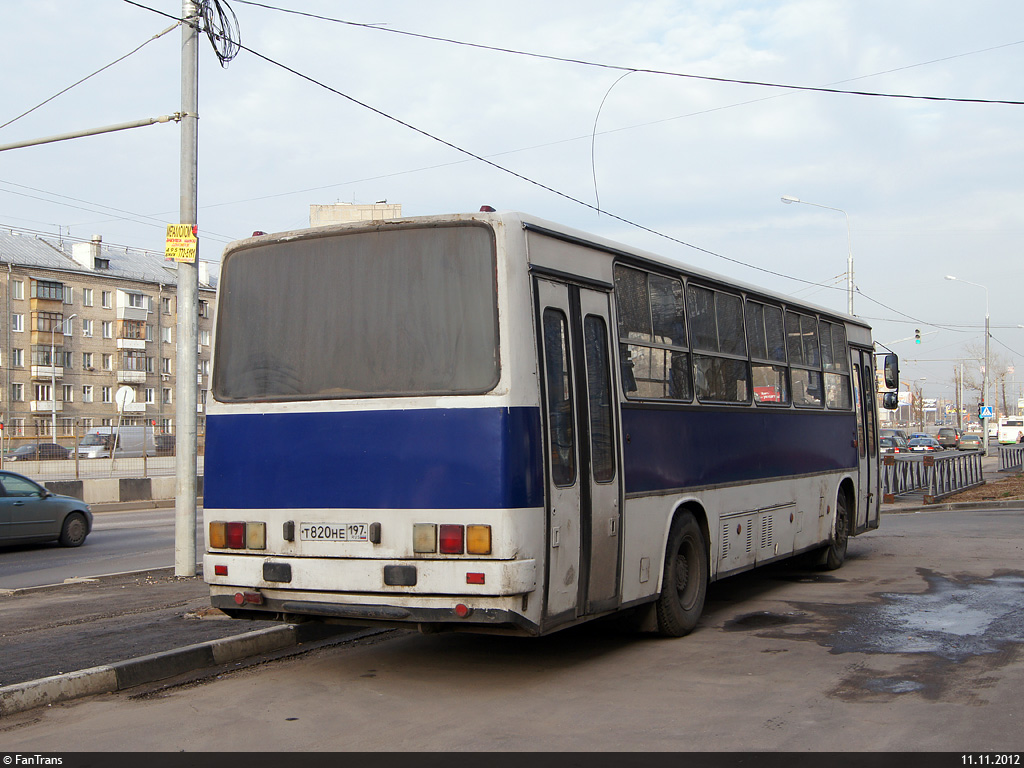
(924, 444)
(29, 512)
(970, 443)
(165, 445)
(38, 452)
(893, 444)
(900, 433)
(949, 437)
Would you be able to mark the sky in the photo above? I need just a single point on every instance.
(928, 188)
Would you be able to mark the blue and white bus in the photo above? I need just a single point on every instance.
(491, 423)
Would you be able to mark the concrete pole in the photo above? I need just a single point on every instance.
(188, 306)
(985, 379)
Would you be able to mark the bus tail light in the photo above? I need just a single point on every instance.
(478, 539)
(451, 540)
(237, 535)
(218, 536)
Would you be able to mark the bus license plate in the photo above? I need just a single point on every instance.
(332, 532)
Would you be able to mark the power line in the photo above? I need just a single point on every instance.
(101, 69)
(666, 73)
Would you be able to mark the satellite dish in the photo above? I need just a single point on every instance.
(123, 397)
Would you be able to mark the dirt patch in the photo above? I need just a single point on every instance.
(1007, 489)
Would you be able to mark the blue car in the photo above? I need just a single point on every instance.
(31, 513)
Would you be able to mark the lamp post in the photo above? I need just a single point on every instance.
(53, 375)
(984, 378)
(787, 199)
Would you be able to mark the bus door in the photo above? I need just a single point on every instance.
(864, 399)
(581, 424)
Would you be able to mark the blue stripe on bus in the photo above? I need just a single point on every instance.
(478, 458)
(669, 449)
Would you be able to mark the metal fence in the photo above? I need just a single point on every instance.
(1011, 457)
(935, 477)
(161, 461)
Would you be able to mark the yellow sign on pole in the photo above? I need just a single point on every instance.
(182, 242)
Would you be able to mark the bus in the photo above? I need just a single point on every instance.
(1011, 429)
(491, 423)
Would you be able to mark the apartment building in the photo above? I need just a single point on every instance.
(82, 321)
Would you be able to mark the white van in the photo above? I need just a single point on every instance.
(131, 442)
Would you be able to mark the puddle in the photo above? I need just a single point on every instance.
(953, 620)
(761, 620)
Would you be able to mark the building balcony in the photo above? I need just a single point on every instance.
(45, 406)
(47, 372)
(131, 313)
(131, 344)
(131, 377)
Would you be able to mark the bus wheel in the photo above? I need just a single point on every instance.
(835, 552)
(685, 580)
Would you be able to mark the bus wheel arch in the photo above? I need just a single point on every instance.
(685, 573)
(834, 554)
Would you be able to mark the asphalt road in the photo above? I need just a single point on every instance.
(914, 645)
(120, 542)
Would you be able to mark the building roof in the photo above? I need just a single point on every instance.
(48, 252)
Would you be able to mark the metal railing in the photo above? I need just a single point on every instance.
(934, 476)
(1011, 457)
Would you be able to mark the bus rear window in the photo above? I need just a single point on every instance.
(362, 314)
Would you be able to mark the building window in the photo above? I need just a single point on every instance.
(165, 365)
(133, 360)
(204, 338)
(108, 363)
(17, 322)
(106, 422)
(165, 334)
(66, 359)
(166, 396)
(48, 289)
(87, 297)
(132, 329)
(105, 299)
(43, 392)
(41, 355)
(204, 308)
(107, 393)
(149, 365)
(17, 358)
(17, 426)
(150, 396)
(165, 305)
(86, 425)
(18, 393)
(108, 329)
(48, 321)
(68, 327)
(67, 426)
(69, 294)
(87, 328)
(149, 331)
(67, 393)
(87, 360)
(136, 300)
(87, 393)
(204, 367)
(17, 289)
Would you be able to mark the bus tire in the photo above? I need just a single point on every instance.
(74, 531)
(835, 552)
(684, 581)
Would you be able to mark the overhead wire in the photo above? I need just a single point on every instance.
(557, 192)
(101, 69)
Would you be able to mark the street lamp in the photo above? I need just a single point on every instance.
(53, 375)
(787, 199)
(984, 378)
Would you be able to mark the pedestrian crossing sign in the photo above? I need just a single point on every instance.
(986, 412)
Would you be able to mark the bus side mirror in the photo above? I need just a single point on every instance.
(891, 369)
(890, 401)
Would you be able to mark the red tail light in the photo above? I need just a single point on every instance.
(236, 535)
(450, 539)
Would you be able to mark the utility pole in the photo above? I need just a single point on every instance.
(188, 305)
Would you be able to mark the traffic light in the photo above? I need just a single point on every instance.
(917, 335)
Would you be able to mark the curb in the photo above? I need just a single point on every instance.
(963, 506)
(121, 675)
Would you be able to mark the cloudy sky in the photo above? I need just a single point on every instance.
(930, 187)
